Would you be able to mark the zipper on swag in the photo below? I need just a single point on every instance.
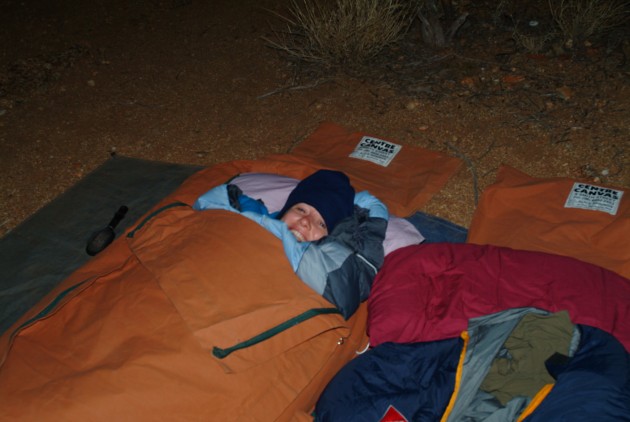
(132, 233)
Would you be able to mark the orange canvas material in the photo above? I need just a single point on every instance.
(190, 315)
(137, 341)
(405, 185)
(397, 184)
(524, 212)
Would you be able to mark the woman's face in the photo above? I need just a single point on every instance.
(305, 222)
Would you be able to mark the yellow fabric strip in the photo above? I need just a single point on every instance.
(458, 377)
(538, 398)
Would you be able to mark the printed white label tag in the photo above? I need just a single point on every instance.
(376, 150)
(596, 198)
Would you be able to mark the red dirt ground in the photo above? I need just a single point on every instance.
(194, 82)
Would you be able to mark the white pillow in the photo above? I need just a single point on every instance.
(274, 189)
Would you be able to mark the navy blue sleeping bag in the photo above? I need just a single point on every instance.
(417, 381)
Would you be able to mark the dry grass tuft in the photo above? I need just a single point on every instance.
(581, 20)
(343, 32)
(532, 43)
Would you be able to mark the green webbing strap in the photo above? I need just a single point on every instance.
(223, 353)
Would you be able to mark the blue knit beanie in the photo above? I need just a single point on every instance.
(328, 191)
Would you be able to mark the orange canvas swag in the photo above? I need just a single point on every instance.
(184, 316)
(523, 212)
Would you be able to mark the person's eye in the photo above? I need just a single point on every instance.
(323, 225)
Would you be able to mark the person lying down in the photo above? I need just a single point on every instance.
(332, 236)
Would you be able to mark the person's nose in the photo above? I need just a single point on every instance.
(305, 222)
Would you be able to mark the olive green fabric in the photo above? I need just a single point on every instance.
(520, 370)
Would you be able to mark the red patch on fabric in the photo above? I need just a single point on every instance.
(393, 415)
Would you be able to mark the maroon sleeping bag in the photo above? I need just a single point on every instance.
(429, 292)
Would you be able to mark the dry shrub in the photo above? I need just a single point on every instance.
(434, 17)
(342, 32)
(581, 20)
(532, 43)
